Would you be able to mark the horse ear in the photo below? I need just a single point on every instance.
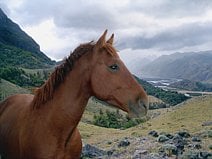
(101, 42)
(110, 41)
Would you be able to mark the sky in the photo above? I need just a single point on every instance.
(142, 28)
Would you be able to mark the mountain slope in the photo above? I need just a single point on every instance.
(7, 88)
(188, 116)
(193, 66)
(12, 35)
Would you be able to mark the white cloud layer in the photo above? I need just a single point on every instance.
(142, 28)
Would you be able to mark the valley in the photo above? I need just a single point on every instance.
(167, 84)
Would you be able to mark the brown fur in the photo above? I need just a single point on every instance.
(44, 126)
(45, 92)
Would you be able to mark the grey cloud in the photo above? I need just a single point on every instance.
(68, 14)
(93, 17)
(86, 19)
(175, 38)
(168, 8)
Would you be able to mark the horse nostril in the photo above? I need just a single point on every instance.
(144, 104)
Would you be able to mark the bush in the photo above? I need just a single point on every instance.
(19, 77)
(112, 119)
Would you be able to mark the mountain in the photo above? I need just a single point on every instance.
(192, 86)
(15, 42)
(196, 66)
(136, 63)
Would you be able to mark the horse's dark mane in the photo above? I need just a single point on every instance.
(46, 91)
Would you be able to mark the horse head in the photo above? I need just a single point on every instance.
(112, 82)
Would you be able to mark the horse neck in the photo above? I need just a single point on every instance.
(65, 110)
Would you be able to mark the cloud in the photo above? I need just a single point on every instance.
(151, 26)
(172, 39)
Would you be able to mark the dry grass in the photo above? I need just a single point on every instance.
(187, 116)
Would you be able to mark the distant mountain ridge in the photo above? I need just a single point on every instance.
(12, 35)
(196, 66)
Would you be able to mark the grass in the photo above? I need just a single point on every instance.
(188, 116)
(8, 88)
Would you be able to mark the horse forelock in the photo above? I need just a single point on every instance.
(46, 91)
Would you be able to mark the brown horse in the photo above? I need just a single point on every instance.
(44, 126)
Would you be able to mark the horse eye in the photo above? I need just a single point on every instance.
(114, 67)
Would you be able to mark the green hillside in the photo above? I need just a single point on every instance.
(11, 56)
(169, 97)
(19, 49)
(192, 86)
(19, 53)
(8, 88)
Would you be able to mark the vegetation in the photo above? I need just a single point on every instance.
(12, 35)
(16, 57)
(189, 116)
(192, 85)
(7, 89)
(20, 77)
(111, 119)
(169, 97)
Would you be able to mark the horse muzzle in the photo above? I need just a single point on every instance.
(139, 109)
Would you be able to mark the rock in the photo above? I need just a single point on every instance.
(196, 139)
(139, 153)
(179, 142)
(180, 147)
(207, 123)
(184, 134)
(154, 156)
(153, 133)
(170, 136)
(124, 143)
(176, 138)
(169, 149)
(162, 138)
(205, 134)
(197, 146)
(210, 147)
(190, 155)
(210, 133)
(197, 155)
(205, 155)
(92, 151)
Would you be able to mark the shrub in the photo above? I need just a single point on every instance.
(112, 119)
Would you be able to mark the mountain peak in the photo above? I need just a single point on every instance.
(12, 35)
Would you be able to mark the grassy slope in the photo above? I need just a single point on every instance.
(93, 108)
(8, 88)
(188, 116)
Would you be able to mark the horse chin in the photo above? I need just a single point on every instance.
(137, 110)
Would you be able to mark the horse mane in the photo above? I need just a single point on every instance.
(46, 91)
